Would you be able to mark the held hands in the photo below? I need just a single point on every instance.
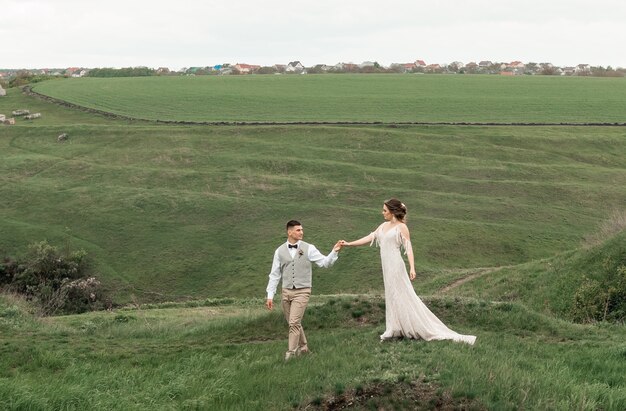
(338, 246)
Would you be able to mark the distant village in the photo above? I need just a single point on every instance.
(514, 68)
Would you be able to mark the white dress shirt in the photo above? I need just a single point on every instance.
(314, 256)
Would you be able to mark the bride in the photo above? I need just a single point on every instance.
(405, 313)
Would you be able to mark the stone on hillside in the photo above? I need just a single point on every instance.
(32, 116)
(21, 112)
(3, 92)
(62, 137)
(2, 118)
(8, 121)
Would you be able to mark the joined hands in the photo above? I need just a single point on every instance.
(339, 245)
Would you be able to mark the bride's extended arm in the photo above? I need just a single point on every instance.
(365, 240)
(361, 241)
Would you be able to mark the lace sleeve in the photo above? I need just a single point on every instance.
(404, 242)
(374, 236)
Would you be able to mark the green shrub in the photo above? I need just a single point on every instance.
(603, 299)
(55, 280)
(8, 269)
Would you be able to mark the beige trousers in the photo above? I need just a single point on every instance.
(294, 303)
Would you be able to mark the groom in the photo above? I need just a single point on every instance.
(292, 262)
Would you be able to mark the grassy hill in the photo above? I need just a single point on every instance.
(171, 212)
(550, 285)
(386, 98)
(228, 356)
(191, 214)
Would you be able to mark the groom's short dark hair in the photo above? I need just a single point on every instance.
(292, 223)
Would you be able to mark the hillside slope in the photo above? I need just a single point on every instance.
(552, 285)
(179, 212)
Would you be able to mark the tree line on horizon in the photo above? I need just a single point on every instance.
(16, 78)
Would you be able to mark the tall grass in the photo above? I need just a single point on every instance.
(231, 359)
(612, 226)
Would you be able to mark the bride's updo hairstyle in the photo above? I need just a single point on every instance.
(397, 208)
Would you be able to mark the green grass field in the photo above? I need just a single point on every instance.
(229, 357)
(345, 98)
(191, 215)
(177, 210)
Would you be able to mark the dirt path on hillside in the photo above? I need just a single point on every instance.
(475, 274)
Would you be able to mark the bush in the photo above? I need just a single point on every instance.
(55, 280)
(8, 269)
(24, 77)
(123, 72)
(603, 299)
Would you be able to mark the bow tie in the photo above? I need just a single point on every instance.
(292, 245)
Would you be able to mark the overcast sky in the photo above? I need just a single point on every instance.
(184, 33)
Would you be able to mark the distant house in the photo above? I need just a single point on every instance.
(294, 66)
(408, 66)
(401, 67)
(420, 63)
(246, 68)
(434, 68)
(75, 72)
(517, 65)
(568, 71)
(471, 66)
(583, 69)
(485, 64)
(70, 70)
(367, 64)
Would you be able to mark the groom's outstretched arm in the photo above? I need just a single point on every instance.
(322, 260)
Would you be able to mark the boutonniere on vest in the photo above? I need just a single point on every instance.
(300, 253)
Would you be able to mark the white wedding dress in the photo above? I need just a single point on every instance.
(405, 313)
